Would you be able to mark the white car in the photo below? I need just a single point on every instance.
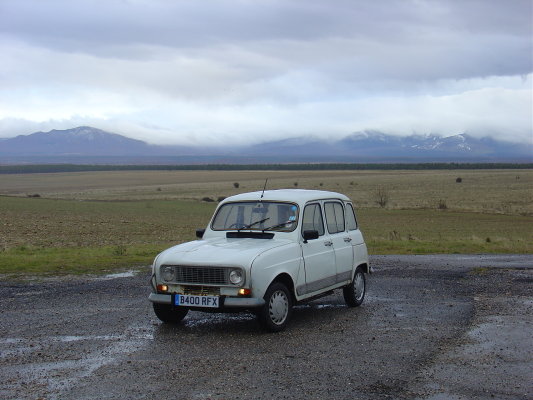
(264, 252)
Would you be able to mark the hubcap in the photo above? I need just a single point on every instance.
(359, 286)
(278, 307)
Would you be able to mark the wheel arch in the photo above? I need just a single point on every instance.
(365, 267)
(286, 279)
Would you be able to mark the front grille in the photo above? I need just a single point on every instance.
(201, 275)
(201, 290)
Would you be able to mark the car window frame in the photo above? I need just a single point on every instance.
(350, 205)
(338, 202)
(295, 224)
(322, 220)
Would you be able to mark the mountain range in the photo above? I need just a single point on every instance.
(85, 145)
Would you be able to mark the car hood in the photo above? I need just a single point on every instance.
(219, 251)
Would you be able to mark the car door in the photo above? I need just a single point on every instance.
(351, 226)
(340, 239)
(318, 254)
(360, 253)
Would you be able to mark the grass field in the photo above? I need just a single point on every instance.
(101, 221)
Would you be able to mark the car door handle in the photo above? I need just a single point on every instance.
(328, 243)
(347, 239)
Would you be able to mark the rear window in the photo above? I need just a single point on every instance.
(351, 221)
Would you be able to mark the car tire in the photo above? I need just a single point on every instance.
(277, 310)
(168, 314)
(354, 293)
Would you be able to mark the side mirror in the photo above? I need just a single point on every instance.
(200, 233)
(310, 235)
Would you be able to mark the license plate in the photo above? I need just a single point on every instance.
(185, 300)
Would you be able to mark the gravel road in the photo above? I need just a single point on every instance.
(431, 327)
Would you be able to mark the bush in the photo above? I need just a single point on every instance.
(442, 205)
(236, 185)
(459, 180)
(119, 250)
(220, 198)
(295, 184)
(208, 199)
(34, 195)
(382, 197)
(394, 235)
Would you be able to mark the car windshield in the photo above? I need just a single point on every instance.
(256, 216)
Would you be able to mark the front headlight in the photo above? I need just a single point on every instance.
(167, 273)
(235, 276)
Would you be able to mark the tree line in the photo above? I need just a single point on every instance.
(51, 168)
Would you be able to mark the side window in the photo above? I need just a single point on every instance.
(312, 219)
(351, 222)
(334, 216)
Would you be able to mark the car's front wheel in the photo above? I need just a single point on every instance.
(276, 312)
(354, 293)
(169, 314)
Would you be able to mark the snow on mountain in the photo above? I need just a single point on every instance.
(368, 146)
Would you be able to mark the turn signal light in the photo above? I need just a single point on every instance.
(162, 288)
(244, 292)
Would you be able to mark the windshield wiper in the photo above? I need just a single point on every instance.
(279, 225)
(252, 224)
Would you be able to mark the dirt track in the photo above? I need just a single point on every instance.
(431, 327)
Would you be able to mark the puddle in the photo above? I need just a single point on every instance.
(34, 293)
(320, 306)
(216, 318)
(127, 274)
(62, 375)
(67, 339)
(12, 340)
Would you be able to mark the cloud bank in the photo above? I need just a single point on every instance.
(247, 71)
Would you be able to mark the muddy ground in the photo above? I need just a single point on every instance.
(431, 327)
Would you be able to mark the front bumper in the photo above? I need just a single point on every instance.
(227, 302)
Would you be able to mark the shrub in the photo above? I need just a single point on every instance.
(295, 184)
(236, 185)
(220, 198)
(394, 235)
(34, 195)
(119, 250)
(208, 199)
(459, 180)
(442, 205)
(382, 197)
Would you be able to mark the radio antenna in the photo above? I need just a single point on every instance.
(264, 187)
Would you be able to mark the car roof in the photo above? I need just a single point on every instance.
(300, 196)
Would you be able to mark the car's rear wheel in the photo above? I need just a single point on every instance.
(354, 293)
(169, 314)
(276, 312)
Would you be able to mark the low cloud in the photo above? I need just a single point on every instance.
(250, 71)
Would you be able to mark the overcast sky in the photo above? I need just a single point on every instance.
(220, 71)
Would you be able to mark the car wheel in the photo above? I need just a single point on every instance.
(354, 293)
(276, 312)
(169, 314)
